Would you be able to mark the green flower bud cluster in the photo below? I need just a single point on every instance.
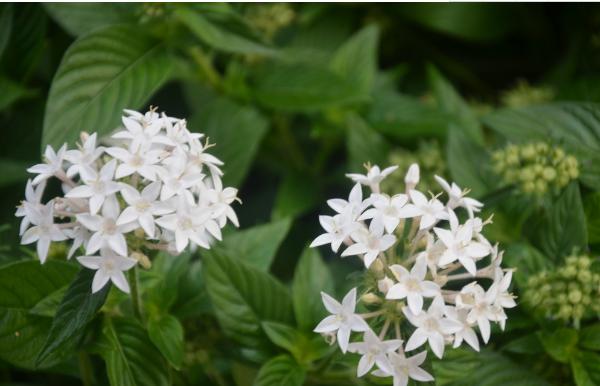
(535, 168)
(524, 94)
(431, 161)
(270, 18)
(568, 293)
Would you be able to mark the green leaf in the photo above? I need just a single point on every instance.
(468, 161)
(258, 245)
(303, 87)
(12, 172)
(192, 297)
(559, 344)
(527, 260)
(101, 74)
(6, 17)
(356, 59)
(280, 371)
(12, 92)
(487, 368)
(589, 337)
(77, 308)
(282, 335)
(243, 297)
(562, 226)
(23, 285)
(405, 117)
(586, 368)
(574, 126)
(528, 344)
(165, 277)
(130, 357)
(81, 18)
(450, 101)
(216, 31)
(295, 196)
(27, 42)
(310, 278)
(166, 333)
(49, 305)
(237, 132)
(364, 145)
(591, 205)
(304, 346)
(471, 22)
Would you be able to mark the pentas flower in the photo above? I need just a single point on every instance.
(155, 187)
(422, 288)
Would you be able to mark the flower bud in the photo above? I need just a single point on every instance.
(385, 284)
(370, 298)
(142, 259)
(412, 176)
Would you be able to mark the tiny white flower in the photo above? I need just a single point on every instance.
(466, 333)
(142, 207)
(387, 209)
(52, 165)
(404, 368)
(108, 266)
(432, 327)
(337, 229)
(355, 204)
(80, 236)
(105, 231)
(373, 351)
(84, 158)
(140, 132)
(33, 197)
(478, 303)
(43, 231)
(384, 285)
(98, 186)
(220, 201)
(430, 211)
(457, 197)
(342, 318)
(460, 245)
(370, 243)
(139, 160)
(373, 177)
(412, 285)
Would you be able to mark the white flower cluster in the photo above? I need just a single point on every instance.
(427, 285)
(154, 187)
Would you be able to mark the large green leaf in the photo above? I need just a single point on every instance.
(6, 14)
(562, 225)
(243, 297)
(258, 245)
(81, 18)
(356, 59)
(575, 126)
(166, 332)
(468, 161)
(222, 31)
(101, 74)
(304, 346)
(237, 132)
(560, 344)
(589, 337)
(450, 101)
(586, 368)
(405, 117)
(295, 196)
(364, 145)
(486, 368)
(303, 87)
(23, 285)
(310, 278)
(27, 41)
(131, 359)
(280, 371)
(77, 308)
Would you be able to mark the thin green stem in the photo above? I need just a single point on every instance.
(85, 369)
(135, 295)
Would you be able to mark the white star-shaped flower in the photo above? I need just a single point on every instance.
(108, 266)
(98, 186)
(84, 157)
(139, 160)
(412, 285)
(342, 318)
(457, 197)
(33, 197)
(387, 209)
(466, 333)
(373, 351)
(43, 231)
(355, 204)
(140, 132)
(430, 211)
(373, 177)
(460, 245)
(337, 229)
(404, 368)
(432, 327)
(478, 303)
(370, 243)
(143, 207)
(52, 165)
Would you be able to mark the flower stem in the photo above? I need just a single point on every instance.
(135, 296)
(85, 368)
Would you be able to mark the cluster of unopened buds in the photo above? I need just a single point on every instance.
(425, 275)
(152, 187)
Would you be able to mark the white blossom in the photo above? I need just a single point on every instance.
(98, 186)
(404, 368)
(108, 266)
(373, 177)
(370, 243)
(412, 285)
(374, 351)
(52, 166)
(43, 231)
